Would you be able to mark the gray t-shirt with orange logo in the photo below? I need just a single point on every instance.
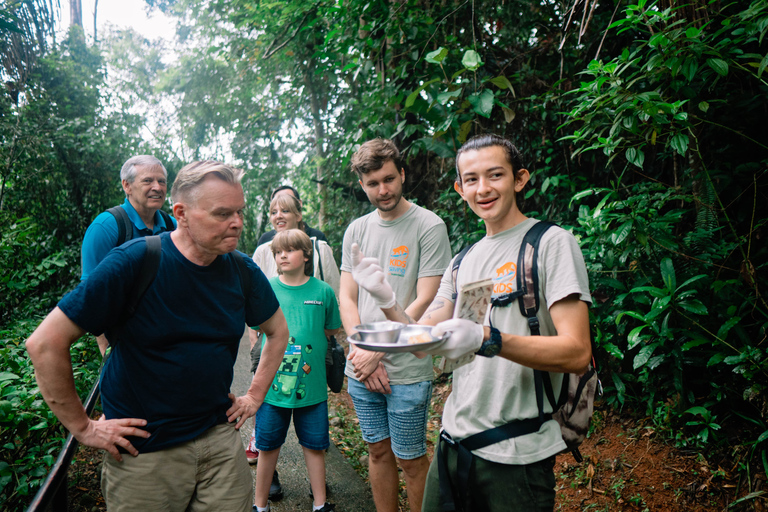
(413, 246)
(492, 391)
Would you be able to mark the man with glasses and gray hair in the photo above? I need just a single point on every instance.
(145, 182)
(169, 418)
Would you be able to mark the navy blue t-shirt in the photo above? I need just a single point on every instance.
(173, 360)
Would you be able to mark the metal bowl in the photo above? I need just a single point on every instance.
(380, 332)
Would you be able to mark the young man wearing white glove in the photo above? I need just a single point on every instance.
(391, 395)
(498, 388)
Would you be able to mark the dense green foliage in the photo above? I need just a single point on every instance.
(61, 149)
(30, 435)
(640, 121)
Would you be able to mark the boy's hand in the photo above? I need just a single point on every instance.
(370, 277)
(243, 407)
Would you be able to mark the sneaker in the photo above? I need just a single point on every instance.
(275, 489)
(251, 453)
(256, 509)
(328, 507)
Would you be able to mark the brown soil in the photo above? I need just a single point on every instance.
(627, 467)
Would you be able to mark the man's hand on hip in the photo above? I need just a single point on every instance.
(109, 434)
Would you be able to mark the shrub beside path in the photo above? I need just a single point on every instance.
(348, 491)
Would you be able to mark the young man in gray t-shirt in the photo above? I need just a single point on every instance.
(497, 389)
(391, 395)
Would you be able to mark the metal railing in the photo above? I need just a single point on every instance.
(52, 495)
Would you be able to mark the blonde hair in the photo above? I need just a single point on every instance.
(289, 203)
(296, 240)
(191, 176)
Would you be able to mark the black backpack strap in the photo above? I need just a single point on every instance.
(528, 274)
(528, 287)
(124, 226)
(147, 274)
(455, 270)
(167, 220)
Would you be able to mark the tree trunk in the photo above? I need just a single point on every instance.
(314, 103)
(76, 13)
(95, 32)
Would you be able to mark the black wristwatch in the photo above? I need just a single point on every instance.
(491, 346)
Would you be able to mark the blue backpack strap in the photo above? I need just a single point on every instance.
(124, 226)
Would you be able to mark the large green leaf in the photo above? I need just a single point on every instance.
(622, 233)
(446, 96)
(502, 82)
(719, 65)
(482, 103)
(411, 99)
(679, 143)
(437, 56)
(668, 274)
(471, 60)
(643, 356)
(635, 157)
(722, 333)
(694, 306)
(634, 338)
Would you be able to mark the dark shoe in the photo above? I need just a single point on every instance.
(327, 491)
(275, 489)
(328, 507)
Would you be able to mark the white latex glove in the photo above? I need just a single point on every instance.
(465, 338)
(370, 277)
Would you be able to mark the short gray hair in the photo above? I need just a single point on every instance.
(192, 175)
(128, 171)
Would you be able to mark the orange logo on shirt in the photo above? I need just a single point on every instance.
(398, 261)
(507, 268)
(504, 282)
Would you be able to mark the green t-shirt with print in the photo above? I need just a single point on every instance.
(309, 309)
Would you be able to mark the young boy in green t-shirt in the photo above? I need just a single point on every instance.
(299, 388)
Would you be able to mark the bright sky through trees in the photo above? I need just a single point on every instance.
(121, 14)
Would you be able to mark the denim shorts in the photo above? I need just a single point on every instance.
(310, 423)
(401, 416)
